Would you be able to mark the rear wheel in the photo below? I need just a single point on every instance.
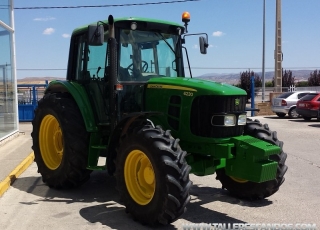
(281, 114)
(152, 176)
(60, 142)
(293, 113)
(251, 190)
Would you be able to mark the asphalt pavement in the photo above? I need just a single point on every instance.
(28, 203)
(15, 156)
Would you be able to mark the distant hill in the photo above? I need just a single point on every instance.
(37, 80)
(230, 78)
(233, 78)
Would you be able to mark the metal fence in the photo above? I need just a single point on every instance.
(28, 96)
(269, 92)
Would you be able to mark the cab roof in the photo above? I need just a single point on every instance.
(129, 20)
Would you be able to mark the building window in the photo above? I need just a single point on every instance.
(8, 103)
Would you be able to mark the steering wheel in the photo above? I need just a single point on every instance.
(144, 66)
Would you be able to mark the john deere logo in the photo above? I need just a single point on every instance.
(237, 102)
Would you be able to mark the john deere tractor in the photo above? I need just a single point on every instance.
(126, 100)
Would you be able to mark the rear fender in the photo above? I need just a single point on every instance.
(80, 96)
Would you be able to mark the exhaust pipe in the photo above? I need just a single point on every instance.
(112, 59)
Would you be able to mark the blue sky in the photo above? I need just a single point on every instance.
(234, 28)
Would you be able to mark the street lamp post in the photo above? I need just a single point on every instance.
(278, 50)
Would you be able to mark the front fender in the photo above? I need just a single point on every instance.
(120, 130)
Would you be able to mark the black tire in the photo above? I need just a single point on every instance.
(162, 197)
(60, 142)
(306, 118)
(293, 113)
(281, 114)
(251, 190)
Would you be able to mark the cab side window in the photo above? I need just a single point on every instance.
(96, 60)
(89, 61)
(80, 57)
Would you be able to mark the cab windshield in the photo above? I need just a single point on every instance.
(147, 54)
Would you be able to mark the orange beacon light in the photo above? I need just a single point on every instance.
(186, 19)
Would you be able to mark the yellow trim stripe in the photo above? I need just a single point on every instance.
(6, 183)
(161, 86)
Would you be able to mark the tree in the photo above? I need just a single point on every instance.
(287, 79)
(269, 84)
(302, 84)
(245, 82)
(314, 79)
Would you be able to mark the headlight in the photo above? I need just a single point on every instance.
(230, 120)
(242, 119)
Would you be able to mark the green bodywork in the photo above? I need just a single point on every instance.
(242, 156)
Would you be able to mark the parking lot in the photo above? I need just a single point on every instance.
(29, 204)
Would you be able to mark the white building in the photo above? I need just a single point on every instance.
(9, 124)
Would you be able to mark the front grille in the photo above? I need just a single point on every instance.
(204, 107)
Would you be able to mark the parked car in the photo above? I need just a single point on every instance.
(286, 103)
(308, 106)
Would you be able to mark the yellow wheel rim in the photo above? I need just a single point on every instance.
(239, 180)
(139, 177)
(51, 142)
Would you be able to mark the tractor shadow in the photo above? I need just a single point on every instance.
(100, 188)
(212, 194)
(109, 212)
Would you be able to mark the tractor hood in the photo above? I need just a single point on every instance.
(195, 85)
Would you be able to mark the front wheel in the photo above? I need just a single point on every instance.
(251, 190)
(152, 176)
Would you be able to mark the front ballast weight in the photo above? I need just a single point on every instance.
(269, 161)
(251, 161)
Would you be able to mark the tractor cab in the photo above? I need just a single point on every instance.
(144, 49)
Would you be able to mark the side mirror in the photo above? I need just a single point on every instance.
(203, 45)
(95, 35)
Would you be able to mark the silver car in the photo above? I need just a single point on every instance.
(286, 103)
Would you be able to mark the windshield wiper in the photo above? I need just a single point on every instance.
(157, 33)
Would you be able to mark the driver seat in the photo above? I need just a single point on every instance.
(124, 74)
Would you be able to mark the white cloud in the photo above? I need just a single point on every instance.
(66, 35)
(48, 31)
(196, 46)
(44, 19)
(218, 34)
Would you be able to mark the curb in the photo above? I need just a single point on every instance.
(8, 181)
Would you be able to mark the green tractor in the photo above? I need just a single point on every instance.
(126, 100)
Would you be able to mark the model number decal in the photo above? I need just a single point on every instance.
(188, 94)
